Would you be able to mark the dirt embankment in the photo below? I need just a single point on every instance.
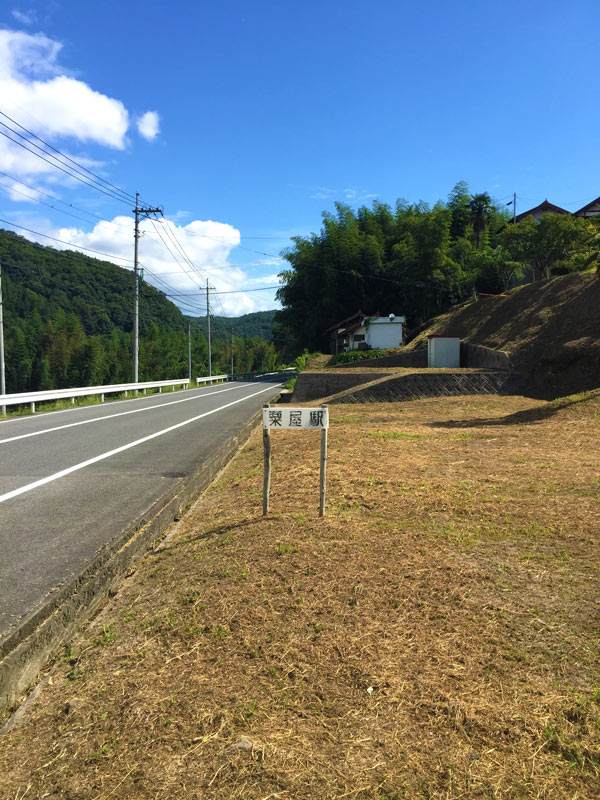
(550, 329)
(436, 635)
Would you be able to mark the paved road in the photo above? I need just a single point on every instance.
(71, 480)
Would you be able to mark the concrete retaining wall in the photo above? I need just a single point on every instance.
(313, 385)
(430, 384)
(476, 356)
(25, 651)
(411, 358)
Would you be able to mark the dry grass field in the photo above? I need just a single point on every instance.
(436, 635)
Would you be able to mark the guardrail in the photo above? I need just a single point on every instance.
(31, 398)
(248, 376)
(212, 379)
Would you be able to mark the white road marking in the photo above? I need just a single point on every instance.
(119, 414)
(63, 472)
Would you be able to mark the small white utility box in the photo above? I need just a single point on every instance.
(443, 351)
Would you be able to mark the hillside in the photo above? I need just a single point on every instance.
(259, 323)
(550, 329)
(68, 321)
(100, 293)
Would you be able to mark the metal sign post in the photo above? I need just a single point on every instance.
(294, 419)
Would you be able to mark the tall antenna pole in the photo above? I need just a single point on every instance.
(2, 378)
(208, 323)
(144, 212)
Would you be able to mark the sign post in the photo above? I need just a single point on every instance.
(323, 470)
(267, 475)
(294, 419)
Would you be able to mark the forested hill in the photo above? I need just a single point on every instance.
(259, 323)
(68, 321)
(46, 280)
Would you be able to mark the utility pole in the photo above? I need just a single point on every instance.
(208, 323)
(143, 213)
(245, 357)
(232, 346)
(189, 352)
(2, 378)
(514, 207)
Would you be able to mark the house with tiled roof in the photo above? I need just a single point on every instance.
(539, 211)
(589, 210)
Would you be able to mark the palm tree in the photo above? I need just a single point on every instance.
(481, 208)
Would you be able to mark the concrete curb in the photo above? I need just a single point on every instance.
(25, 650)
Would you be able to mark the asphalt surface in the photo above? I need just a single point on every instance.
(57, 509)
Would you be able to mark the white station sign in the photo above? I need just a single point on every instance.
(289, 418)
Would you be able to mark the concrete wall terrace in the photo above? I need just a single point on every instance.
(478, 356)
(417, 385)
(313, 385)
(410, 358)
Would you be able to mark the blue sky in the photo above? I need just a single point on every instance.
(246, 120)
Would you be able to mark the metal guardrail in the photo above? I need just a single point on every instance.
(212, 379)
(31, 398)
(248, 376)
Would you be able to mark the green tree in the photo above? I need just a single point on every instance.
(481, 209)
(557, 243)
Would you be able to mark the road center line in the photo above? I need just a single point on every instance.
(63, 472)
(118, 414)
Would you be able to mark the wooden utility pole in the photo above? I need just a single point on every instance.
(189, 352)
(138, 212)
(2, 376)
(208, 324)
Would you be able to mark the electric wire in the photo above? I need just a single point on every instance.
(127, 195)
(69, 244)
(62, 169)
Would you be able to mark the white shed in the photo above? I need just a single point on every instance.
(443, 351)
(378, 333)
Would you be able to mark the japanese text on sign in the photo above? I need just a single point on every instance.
(279, 418)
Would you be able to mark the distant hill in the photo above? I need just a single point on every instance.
(550, 329)
(100, 293)
(68, 321)
(259, 323)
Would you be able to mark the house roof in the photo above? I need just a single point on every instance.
(351, 322)
(595, 202)
(548, 208)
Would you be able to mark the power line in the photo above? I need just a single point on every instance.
(236, 291)
(127, 196)
(70, 244)
(62, 169)
(56, 200)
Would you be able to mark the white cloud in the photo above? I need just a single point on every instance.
(322, 193)
(207, 243)
(32, 81)
(149, 125)
(25, 18)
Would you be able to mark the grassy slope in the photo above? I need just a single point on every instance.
(550, 329)
(435, 636)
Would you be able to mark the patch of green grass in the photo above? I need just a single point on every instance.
(220, 632)
(107, 637)
(284, 548)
